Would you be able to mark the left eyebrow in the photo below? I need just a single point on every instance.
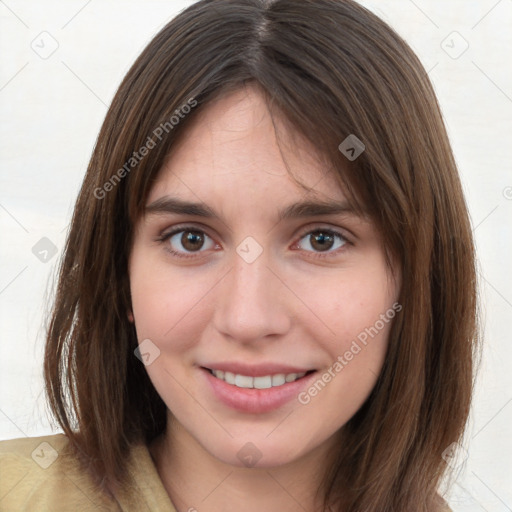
(168, 204)
(314, 209)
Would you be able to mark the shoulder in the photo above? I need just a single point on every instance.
(42, 473)
(39, 473)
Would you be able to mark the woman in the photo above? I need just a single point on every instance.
(267, 298)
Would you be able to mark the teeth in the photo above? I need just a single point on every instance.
(242, 381)
(279, 379)
(268, 381)
(262, 382)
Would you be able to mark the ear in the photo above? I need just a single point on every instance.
(130, 317)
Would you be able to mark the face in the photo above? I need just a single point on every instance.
(237, 291)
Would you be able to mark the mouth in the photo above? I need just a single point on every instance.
(255, 394)
(262, 382)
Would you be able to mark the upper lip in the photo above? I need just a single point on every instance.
(255, 370)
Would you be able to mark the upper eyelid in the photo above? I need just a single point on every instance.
(337, 230)
(178, 228)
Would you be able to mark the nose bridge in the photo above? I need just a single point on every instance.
(249, 305)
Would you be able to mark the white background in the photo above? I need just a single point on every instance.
(52, 110)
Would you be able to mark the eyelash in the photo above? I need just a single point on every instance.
(329, 231)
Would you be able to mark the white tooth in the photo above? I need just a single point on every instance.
(243, 381)
(218, 373)
(278, 380)
(263, 382)
(229, 377)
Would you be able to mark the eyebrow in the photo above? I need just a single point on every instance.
(168, 204)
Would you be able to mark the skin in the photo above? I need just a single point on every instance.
(297, 303)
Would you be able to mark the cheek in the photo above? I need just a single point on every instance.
(359, 314)
(360, 310)
(169, 308)
(353, 306)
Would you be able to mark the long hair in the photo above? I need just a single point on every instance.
(330, 69)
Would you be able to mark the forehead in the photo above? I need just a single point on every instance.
(236, 144)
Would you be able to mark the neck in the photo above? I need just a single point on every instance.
(195, 480)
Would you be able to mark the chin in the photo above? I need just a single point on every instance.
(264, 453)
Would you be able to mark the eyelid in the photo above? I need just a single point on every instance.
(343, 232)
(166, 233)
(337, 231)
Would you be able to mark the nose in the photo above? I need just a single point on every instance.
(251, 302)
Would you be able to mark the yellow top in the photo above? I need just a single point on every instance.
(37, 475)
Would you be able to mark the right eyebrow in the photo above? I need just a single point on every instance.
(169, 204)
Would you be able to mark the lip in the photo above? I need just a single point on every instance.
(255, 370)
(255, 401)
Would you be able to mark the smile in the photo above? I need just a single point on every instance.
(255, 394)
(263, 382)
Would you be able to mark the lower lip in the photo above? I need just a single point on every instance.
(256, 401)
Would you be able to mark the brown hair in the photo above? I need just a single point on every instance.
(330, 68)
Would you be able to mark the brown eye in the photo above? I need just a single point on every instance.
(192, 240)
(185, 241)
(322, 241)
